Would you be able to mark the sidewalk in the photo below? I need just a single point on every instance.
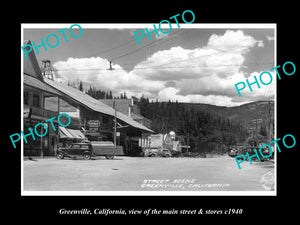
(35, 158)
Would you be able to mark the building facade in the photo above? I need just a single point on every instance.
(35, 95)
(42, 102)
(97, 120)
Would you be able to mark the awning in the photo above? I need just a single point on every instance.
(77, 134)
(63, 133)
(70, 134)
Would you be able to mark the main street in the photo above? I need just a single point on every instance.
(144, 174)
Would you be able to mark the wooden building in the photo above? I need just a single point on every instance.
(96, 119)
(40, 103)
(35, 95)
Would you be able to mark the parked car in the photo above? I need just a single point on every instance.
(75, 150)
(243, 150)
(89, 149)
(160, 152)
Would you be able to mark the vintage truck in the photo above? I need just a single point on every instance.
(90, 149)
(164, 145)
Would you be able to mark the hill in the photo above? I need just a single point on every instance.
(215, 127)
(243, 114)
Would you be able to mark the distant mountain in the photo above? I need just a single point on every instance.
(244, 114)
(210, 128)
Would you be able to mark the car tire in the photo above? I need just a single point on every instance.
(167, 156)
(86, 156)
(109, 156)
(60, 155)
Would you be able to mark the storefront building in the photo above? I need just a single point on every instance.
(96, 119)
(35, 96)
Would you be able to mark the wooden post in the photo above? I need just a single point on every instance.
(42, 106)
(115, 125)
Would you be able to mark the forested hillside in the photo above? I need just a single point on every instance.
(203, 130)
(243, 114)
(206, 127)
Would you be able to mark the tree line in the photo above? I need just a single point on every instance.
(100, 94)
(96, 93)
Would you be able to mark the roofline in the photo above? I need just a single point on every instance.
(146, 129)
(34, 61)
(40, 88)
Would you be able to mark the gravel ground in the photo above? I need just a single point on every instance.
(144, 174)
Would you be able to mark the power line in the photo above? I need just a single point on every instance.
(116, 47)
(161, 66)
(119, 46)
(159, 41)
(207, 55)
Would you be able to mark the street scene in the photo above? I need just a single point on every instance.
(145, 174)
(104, 113)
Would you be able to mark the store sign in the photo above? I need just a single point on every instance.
(93, 125)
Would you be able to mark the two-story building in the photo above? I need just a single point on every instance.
(40, 103)
(36, 93)
(97, 120)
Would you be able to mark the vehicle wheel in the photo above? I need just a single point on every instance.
(86, 156)
(60, 155)
(109, 156)
(152, 155)
(167, 155)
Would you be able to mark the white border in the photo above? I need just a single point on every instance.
(150, 25)
(150, 193)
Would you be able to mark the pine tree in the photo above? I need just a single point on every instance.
(80, 86)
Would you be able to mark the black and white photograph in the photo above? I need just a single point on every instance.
(122, 111)
(167, 109)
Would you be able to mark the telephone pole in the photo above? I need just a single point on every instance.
(115, 125)
(269, 122)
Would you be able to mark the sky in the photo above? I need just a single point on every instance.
(195, 63)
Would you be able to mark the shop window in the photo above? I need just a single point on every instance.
(75, 146)
(36, 101)
(26, 97)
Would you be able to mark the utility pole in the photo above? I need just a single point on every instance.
(115, 125)
(110, 66)
(269, 122)
(43, 110)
